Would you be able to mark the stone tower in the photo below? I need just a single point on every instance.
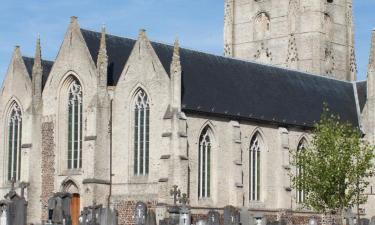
(309, 35)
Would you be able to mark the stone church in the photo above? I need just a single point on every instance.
(114, 120)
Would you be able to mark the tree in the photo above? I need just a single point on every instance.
(335, 167)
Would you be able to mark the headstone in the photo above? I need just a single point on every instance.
(231, 216)
(213, 218)
(59, 208)
(259, 219)
(184, 210)
(4, 214)
(16, 208)
(108, 217)
(201, 222)
(184, 215)
(140, 213)
(151, 218)
(161, 213)
(312, 221)
(349, 217)
(83, 219)
(372, 222)
(246, 217)
(364, 221)
(174, 215)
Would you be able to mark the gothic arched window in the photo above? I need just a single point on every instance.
(262, 26)
(255, 166)
(300, 194)
(204, 163)
(14, 142)
(141, 133)
(75, 125)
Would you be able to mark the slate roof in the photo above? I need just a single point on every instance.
(362, 93)
(238, 89)
(118, 51)
(47, 66)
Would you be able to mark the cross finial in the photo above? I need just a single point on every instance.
(176, 193)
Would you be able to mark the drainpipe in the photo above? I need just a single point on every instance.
(110, 154)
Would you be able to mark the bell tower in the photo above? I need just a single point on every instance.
(314, 36)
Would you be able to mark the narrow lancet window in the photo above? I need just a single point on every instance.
(14, 142)
(141, 134)
(255, 166)
(75, 126)
(204, 164)
(300, 193)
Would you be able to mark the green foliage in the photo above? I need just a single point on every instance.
(335, 166)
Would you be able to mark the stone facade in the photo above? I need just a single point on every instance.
(322, 34)
(174, 134)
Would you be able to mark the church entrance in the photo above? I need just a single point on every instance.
(75, 208)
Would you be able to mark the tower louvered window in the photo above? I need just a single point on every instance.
(204, 164)
(141, 134)
(14, 142)
(300, 193)
(255, 166)
(75, 126)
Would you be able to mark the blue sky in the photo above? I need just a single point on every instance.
(197, 23)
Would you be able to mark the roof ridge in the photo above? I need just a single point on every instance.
(232, 58)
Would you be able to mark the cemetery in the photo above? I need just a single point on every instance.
(13, 211)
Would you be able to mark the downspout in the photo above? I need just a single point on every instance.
(110, 154)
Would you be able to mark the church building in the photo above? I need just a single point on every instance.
(115, 120)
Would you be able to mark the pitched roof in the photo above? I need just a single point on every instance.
(47, 66)
(240, 89)
(362, 93)
(118, 50)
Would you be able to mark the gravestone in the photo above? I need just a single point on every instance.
(184, 210)
(140, 213)
(59, 208)
(313, 221)
(151, 218)
(161, 213)
(97, 215)
(84, 217)
(4, 217)
(174, 215)
(231, 216)
(108, 216)
(213, 218)
(201, 222)
(16, 207)
(364, 221)
(349, 217)
(259, 219)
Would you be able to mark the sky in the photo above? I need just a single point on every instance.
(197, 23)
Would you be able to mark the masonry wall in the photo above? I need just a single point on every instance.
(48, 165)
(317, 34)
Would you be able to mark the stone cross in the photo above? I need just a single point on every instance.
(176, 193)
